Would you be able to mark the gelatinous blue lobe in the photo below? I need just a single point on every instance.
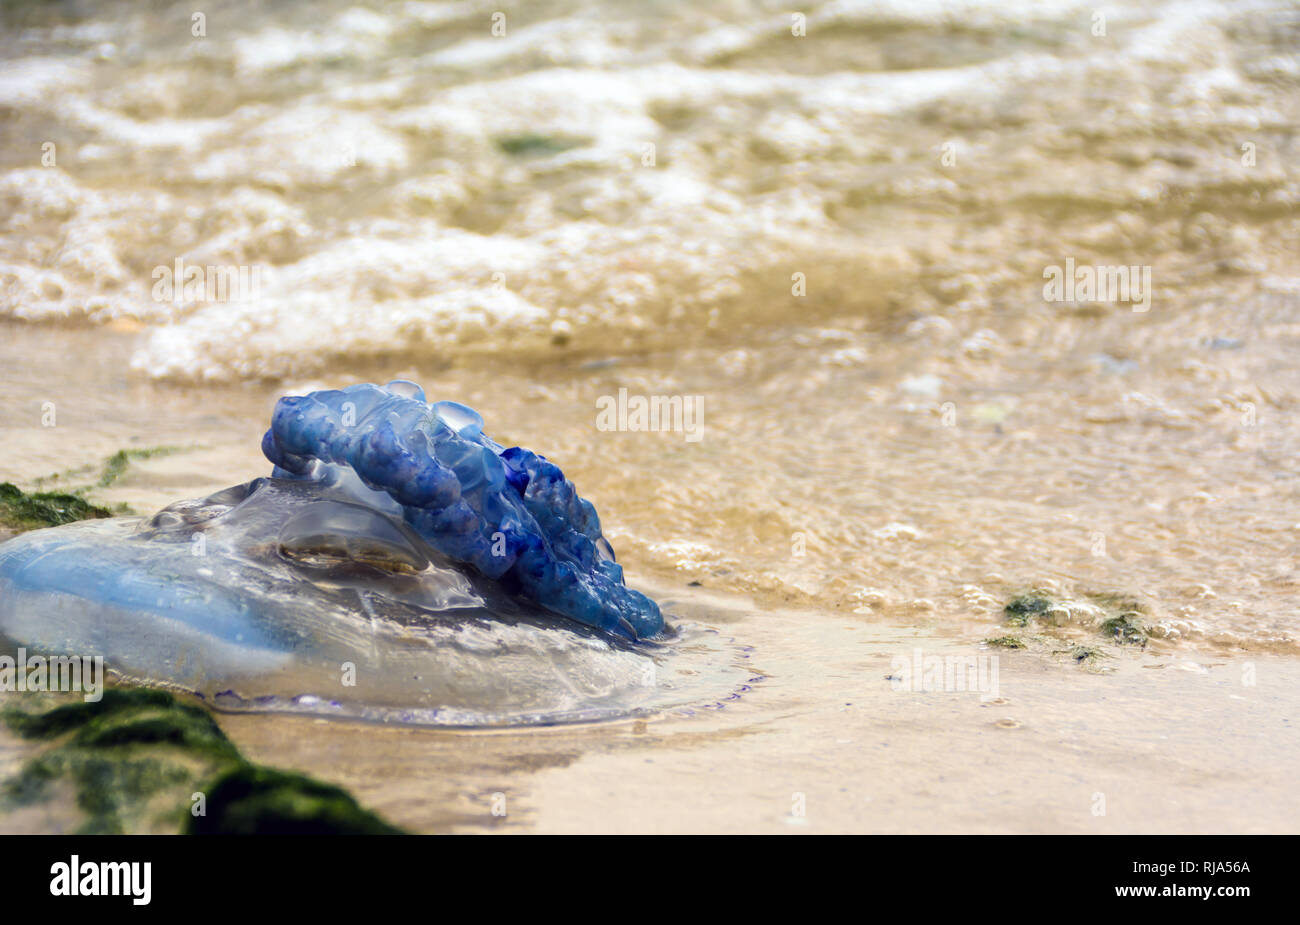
(101, 567)
(508, 512)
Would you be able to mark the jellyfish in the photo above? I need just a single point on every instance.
(398, 565)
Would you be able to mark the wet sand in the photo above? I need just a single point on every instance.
(1168, 739)
(826, 745)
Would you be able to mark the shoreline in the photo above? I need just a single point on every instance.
(1168, 735)
(1171, 746)
(827, 742)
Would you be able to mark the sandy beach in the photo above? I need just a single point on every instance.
(829, 737)
(881, 263)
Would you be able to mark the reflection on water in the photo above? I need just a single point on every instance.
(840, 242)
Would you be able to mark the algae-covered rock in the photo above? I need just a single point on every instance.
(1021, 610)
(1115, 616)
(141, 761)
(253, 800)
(1127, 629)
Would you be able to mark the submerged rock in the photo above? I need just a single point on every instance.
(398, 565)
(139, 761)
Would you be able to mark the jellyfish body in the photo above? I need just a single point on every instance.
(398, 565)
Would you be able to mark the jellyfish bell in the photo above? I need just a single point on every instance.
(402, 567)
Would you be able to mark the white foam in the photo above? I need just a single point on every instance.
(619, 173)
(30, 81)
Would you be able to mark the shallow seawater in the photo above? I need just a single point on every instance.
(921, 424)
(835, 246)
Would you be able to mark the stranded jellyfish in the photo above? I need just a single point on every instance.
(398, 565)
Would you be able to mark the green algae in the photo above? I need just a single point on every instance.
(253, 800)
(137, 759)
(1088, 656)
(117, 464)
(140, 760)
(102, 475)
(1020, 610)
(1117, 617)
(22, 511)
(127, 758)
(1045, 618)
(1127, 629)
(534, 145)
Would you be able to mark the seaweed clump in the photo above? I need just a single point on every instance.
(1117, 618)
(20, 510)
